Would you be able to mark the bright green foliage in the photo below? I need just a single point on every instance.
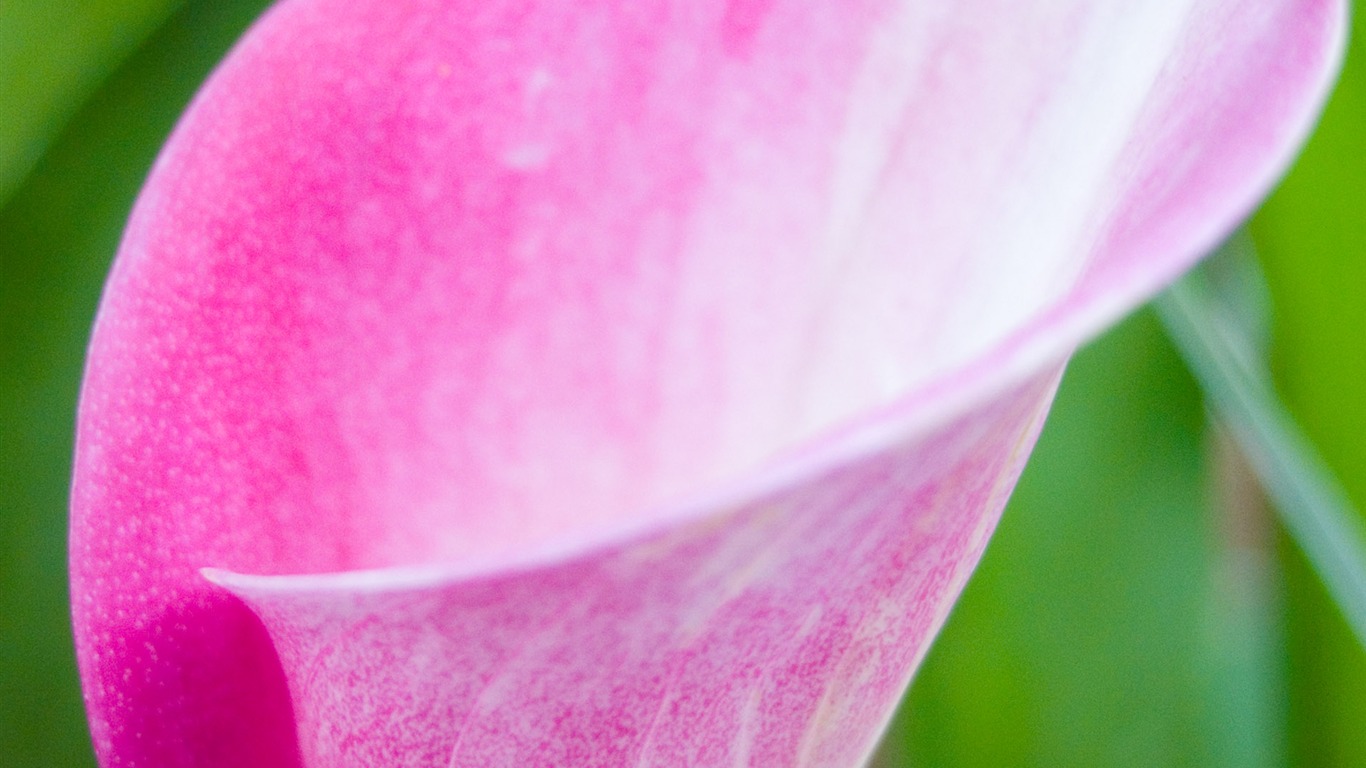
(1311, 236)
(53, 56)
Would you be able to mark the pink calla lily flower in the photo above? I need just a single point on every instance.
(551, 384)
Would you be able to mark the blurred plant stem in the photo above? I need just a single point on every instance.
(1247, 717)
(1211, 316)
(1311, 240)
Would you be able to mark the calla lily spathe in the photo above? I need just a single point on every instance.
(540, 383)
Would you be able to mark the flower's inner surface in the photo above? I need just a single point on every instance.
(533, 274)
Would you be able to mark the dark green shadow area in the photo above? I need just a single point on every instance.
(58, 234)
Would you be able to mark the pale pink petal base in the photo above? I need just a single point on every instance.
(619, 382)
(780, 631)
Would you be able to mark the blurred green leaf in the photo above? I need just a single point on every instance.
(53, 56)
(1096, 632)
(1206, 326)
(57, 235)
(1311, 237)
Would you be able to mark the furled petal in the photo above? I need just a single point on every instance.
(778, 630)
(615, 384)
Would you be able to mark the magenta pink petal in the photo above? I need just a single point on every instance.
(778, 631)
(588, 383)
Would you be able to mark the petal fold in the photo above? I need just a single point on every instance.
(779, 629)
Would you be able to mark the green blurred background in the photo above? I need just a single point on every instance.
(1139, 605)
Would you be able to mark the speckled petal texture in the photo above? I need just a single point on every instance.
(635, 383)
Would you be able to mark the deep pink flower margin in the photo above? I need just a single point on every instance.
(589, 383)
